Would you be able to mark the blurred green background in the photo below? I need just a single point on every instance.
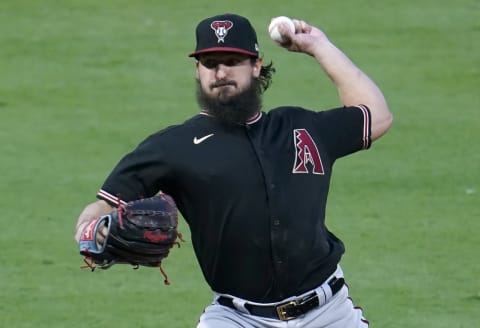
(82, 82)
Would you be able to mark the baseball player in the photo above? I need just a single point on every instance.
(252, 185)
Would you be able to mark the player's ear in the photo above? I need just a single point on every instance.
(257, 67)
(196, 69)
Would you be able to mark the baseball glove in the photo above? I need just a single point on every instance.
(140, 233)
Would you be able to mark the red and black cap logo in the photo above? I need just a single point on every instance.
(226, 33)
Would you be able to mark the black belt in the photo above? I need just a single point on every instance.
(288, 310)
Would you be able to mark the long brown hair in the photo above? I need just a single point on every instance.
(265, 78)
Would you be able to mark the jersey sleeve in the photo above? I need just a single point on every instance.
(346, 130)
(138, 174)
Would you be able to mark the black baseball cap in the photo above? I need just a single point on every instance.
(226, 33)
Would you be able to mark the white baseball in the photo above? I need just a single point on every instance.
(273, 27)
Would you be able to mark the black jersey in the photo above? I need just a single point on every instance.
(253, 195)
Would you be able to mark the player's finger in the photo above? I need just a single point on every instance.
(103, 231)
(101, 234)
(297, 24)
(302, 27)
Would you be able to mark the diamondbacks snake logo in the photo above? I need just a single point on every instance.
(221, 29)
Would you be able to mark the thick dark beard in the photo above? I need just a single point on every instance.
(236, 109)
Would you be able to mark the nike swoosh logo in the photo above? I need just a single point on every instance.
(202, 139)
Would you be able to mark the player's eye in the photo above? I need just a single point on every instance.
(211, 63)
(232, 62)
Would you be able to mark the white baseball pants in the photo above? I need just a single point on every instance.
(337, 312)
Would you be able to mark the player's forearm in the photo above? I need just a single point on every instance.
(91, 211)
(354, 86)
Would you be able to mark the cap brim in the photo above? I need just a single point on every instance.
(223, 49)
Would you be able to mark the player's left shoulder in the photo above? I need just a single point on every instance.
(290, 114)
(282, 110)
(288, 111)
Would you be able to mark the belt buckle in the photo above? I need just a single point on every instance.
(282, 313)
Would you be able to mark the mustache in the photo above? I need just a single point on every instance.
(222, 83)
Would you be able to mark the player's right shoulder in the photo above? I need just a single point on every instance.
(176, 128)
(175, 132)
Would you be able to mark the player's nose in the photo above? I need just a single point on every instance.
(221, 71)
